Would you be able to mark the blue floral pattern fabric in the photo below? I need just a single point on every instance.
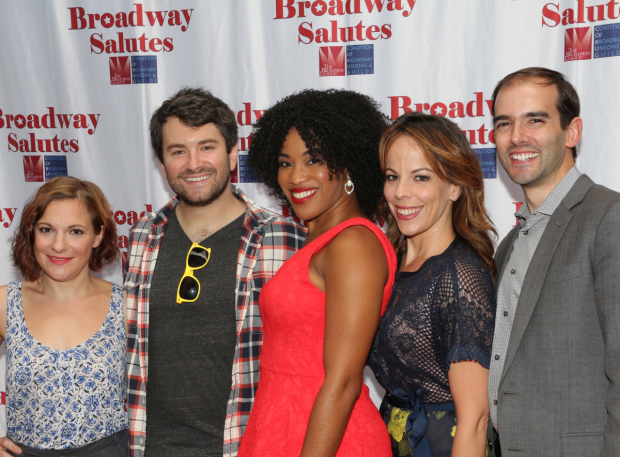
(61, 399)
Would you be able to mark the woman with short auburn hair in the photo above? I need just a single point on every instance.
(432, 350)
(64, 328)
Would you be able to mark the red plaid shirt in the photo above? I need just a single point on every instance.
(267, 241)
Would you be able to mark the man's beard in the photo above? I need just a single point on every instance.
(219, 185)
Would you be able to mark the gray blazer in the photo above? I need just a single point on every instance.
(559, 393)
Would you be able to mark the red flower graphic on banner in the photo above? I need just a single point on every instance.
(331, 61)
(120, 71)
(578, 44)
(33, 168)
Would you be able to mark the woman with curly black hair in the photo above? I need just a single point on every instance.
(318, 150)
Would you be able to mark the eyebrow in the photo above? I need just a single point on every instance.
(412, 171)
(531, 114)
(71, 226)
(200, 143)
(288, 156)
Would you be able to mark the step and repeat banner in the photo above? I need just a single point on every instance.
(79, 81)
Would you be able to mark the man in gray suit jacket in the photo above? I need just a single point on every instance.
(554, 383)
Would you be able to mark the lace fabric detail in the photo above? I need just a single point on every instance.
(443, 313)
(61, 399)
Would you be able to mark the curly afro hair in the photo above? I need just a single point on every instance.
(341, 127)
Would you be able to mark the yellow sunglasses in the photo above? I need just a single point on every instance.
(189, 287)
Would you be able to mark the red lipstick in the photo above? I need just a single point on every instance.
(300, 190)
(59, 260)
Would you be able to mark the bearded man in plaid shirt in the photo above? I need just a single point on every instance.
(195, 331)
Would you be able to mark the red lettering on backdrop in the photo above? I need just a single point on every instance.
(551, 16)
(10, 215)
(288, 9)
(518, 207)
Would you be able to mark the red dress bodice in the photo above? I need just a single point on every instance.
(291, 366)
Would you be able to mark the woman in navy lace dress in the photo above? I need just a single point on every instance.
(432, 349)
(64, 329)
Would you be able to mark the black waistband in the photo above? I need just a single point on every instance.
(99, 445)
(407, 406)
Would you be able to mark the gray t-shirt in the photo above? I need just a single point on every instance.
(191, 346)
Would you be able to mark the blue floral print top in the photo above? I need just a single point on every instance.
(61, 399)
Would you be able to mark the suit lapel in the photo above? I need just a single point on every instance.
(537, 270)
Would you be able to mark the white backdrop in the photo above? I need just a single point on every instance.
(80, 79)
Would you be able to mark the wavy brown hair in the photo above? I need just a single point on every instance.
(64, 188)
(447, 151)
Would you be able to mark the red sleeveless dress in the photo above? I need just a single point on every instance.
(291, 365)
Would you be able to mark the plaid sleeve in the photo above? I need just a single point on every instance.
(261, 254)
(133, 280)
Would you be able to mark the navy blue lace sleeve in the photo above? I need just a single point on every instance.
(471, 327)
(443, 313)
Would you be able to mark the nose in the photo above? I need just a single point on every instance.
(518, 134)
(59, 244)
(193, 160)
(298, 175)
(402, 189)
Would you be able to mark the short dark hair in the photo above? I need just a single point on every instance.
(65, 188)
(341, 127)
(194, 107)
(568, 101)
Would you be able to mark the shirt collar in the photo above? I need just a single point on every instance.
(554, 199)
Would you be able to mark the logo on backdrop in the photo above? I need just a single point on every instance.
(120, 71)
(30, 142)
(331, 61)
(43, 168)
(585, 43)
(360, 60)
(143, 70)
(487, 158)
(578, 44)
(244, 173)
(33, 168)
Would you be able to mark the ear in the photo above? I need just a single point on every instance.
(455, 191)
(573, 132)
(163, 170)
(232, 157)
(99, 237)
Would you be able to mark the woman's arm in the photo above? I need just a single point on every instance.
(355, 272)
(5, 442)
(468, 386)
(7, 445)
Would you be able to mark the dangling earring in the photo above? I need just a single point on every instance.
(349, 187)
